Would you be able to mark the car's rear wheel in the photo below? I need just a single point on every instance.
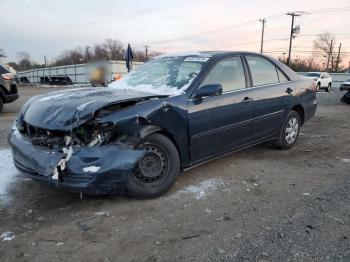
(157, 171)
(329, 87)
(1, 105)
(290, 131)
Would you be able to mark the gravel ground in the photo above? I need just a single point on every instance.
(260, 204)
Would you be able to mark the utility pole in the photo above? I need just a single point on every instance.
(263, 21)
(292, 31)
(338, 58)
(45, 61)
(146, 52)
(330, 54)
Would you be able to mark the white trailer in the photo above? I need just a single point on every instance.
(78, 73)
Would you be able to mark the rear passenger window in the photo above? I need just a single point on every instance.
(281, 76)
(263, 71)
(229, 73)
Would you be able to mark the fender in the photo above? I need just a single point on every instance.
(147, 130)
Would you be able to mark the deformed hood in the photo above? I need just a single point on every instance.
(62, 110)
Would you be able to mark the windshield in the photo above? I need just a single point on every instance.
(312, 74)
(165, 75)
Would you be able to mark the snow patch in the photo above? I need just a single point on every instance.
(202, 190)
(91, 169)
(345, 160)
(8, 172)
(7, 236)
(186, 53)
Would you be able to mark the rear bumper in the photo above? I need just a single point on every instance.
(310, 111)
(91, 170)
(344, 87)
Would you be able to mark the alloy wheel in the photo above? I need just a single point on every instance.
(292, 130)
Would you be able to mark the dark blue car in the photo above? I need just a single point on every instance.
(174, 112)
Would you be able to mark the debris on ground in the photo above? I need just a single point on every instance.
(7, 236)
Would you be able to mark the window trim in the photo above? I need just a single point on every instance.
(279, 70)
(247, 80)
(273, 63)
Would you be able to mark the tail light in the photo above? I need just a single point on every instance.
(314, 87)
(7, 76)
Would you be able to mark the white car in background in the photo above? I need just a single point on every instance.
(322, 79)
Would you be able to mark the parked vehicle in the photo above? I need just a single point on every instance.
(8, 87)
(323, 80)
(176, 111)
(345, 85)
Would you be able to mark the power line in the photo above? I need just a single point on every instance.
(225, 28)
(203, 33)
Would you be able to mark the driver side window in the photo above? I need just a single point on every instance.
(229, 73)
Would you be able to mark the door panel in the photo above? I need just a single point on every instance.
(269, 109)
(219, 124)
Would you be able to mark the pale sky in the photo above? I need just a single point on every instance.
(43, 27)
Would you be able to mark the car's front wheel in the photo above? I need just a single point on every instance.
(329, 87)
(157, 171)
(1, 105)
(290, 131)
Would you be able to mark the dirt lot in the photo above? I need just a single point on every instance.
(260, 204)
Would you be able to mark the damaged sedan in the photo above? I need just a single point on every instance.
(172, 113)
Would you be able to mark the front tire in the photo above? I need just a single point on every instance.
(329, 87)
(290, 131)
(1, 105)
(157, 171)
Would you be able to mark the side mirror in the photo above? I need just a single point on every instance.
(208, 90)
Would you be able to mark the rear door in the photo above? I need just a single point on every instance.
(269, 87)
(221, 123)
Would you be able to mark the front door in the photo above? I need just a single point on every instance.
(221, 123)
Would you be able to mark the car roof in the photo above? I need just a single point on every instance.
(204, 53)
(213, 54)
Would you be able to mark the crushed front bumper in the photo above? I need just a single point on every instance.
(91, 170)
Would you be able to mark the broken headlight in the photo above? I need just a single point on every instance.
(95, 134)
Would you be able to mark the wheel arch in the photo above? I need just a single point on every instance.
(151, 129)
(301, 112)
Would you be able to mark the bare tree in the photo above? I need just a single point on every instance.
(87, 54)
(24, 61)
(110, 49)
(326, 43)
(100, 52)
(115, 49)
(303, 64)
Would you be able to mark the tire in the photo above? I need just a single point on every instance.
(288, 139)
(329, 87)
(1, 105)
(318, 87)
(157, 171)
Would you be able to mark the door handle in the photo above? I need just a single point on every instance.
(247, 100)
(289, 90)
